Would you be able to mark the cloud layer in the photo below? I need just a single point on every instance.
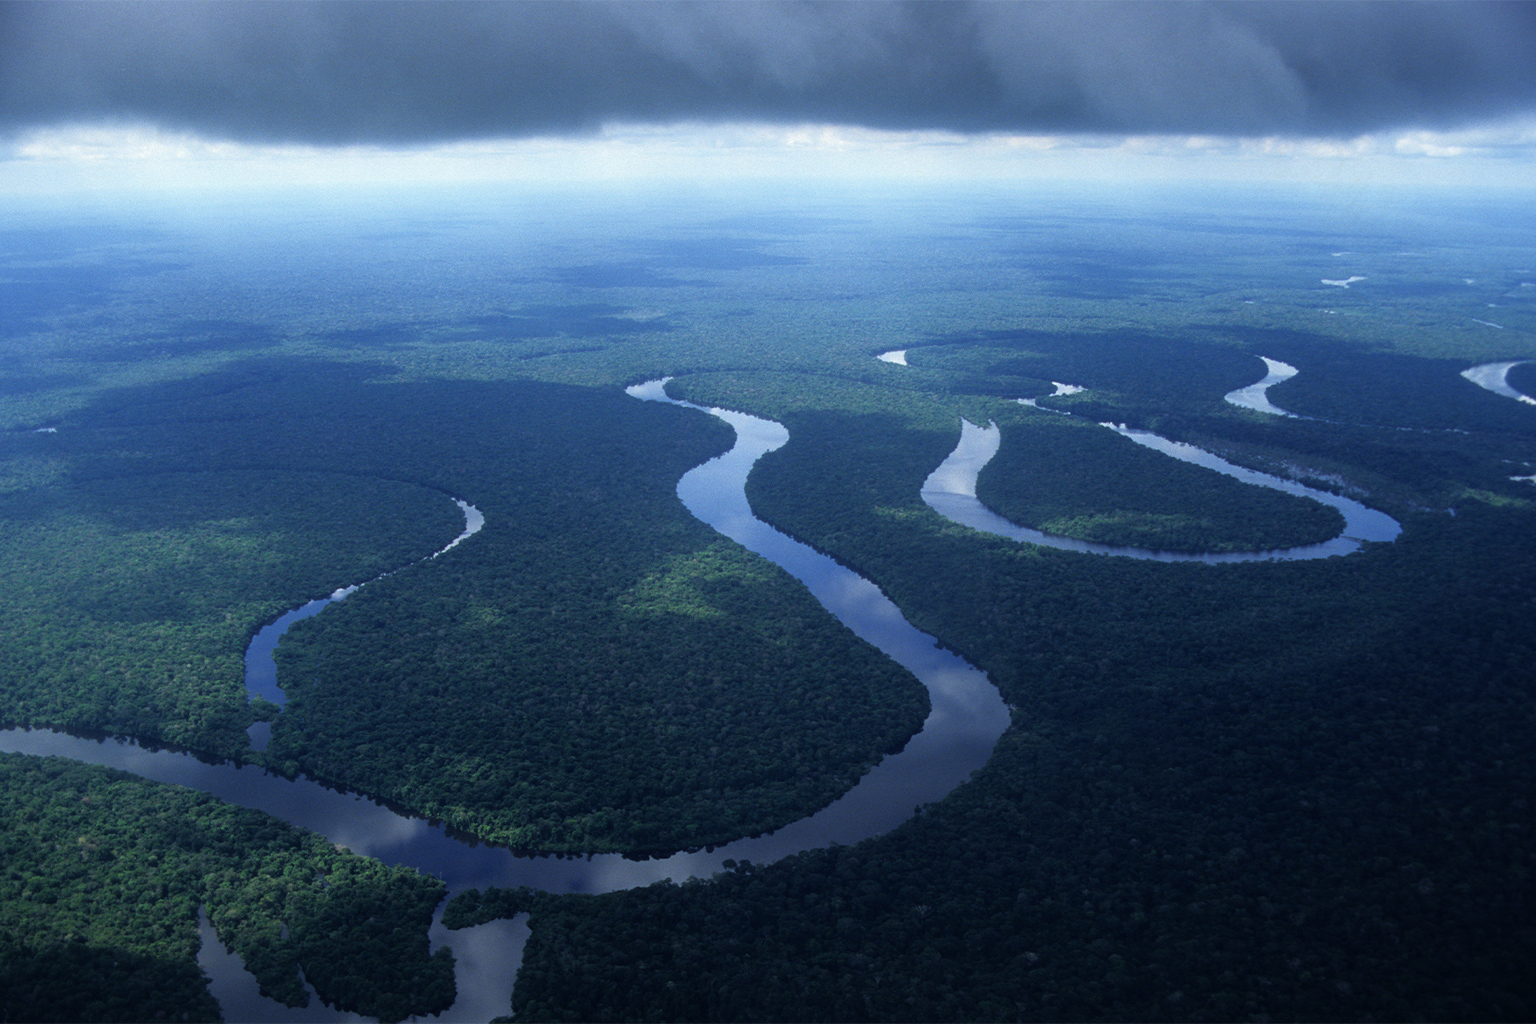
(417, 73)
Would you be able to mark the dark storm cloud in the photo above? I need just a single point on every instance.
(427, 72)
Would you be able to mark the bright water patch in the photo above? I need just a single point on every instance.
(1495, 377)
(1255, 396)
(951, 491)
(967, 714)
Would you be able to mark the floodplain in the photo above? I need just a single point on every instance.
(1251, 790)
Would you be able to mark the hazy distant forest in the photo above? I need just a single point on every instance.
(1277, 790)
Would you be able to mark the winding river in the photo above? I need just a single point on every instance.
(261, 670)
(951, 491)
(967, 716)
(1256, 396)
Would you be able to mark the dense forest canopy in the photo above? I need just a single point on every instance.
(1262, 791)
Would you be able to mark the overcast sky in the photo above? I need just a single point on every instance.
(1416, 90)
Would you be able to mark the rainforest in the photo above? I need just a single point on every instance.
(630, 751)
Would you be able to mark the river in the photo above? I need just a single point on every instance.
(967, 716)
(1256, 396)
(951, 491)
(1495, 377)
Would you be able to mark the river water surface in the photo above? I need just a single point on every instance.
(1256, 396)
(1495, 377)
(966, 719)
(951, 491)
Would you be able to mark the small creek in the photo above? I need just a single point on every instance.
(261, 670)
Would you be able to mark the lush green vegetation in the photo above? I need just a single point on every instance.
(473, 906)
(130, 599)
(1522, 377)
(104, 873)
(659, 690)
(1295, 790)
(1230, 792)
(1135, 496)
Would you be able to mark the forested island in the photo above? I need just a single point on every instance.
(1277, 790)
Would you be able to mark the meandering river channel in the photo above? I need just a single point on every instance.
(1495, 377)
(951, 492)
(1256, 396)
(966, 719)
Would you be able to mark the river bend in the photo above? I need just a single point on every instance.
(1256, 396)
(966, 719)
(261, 670)
(1495, 377)
(951, 491)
